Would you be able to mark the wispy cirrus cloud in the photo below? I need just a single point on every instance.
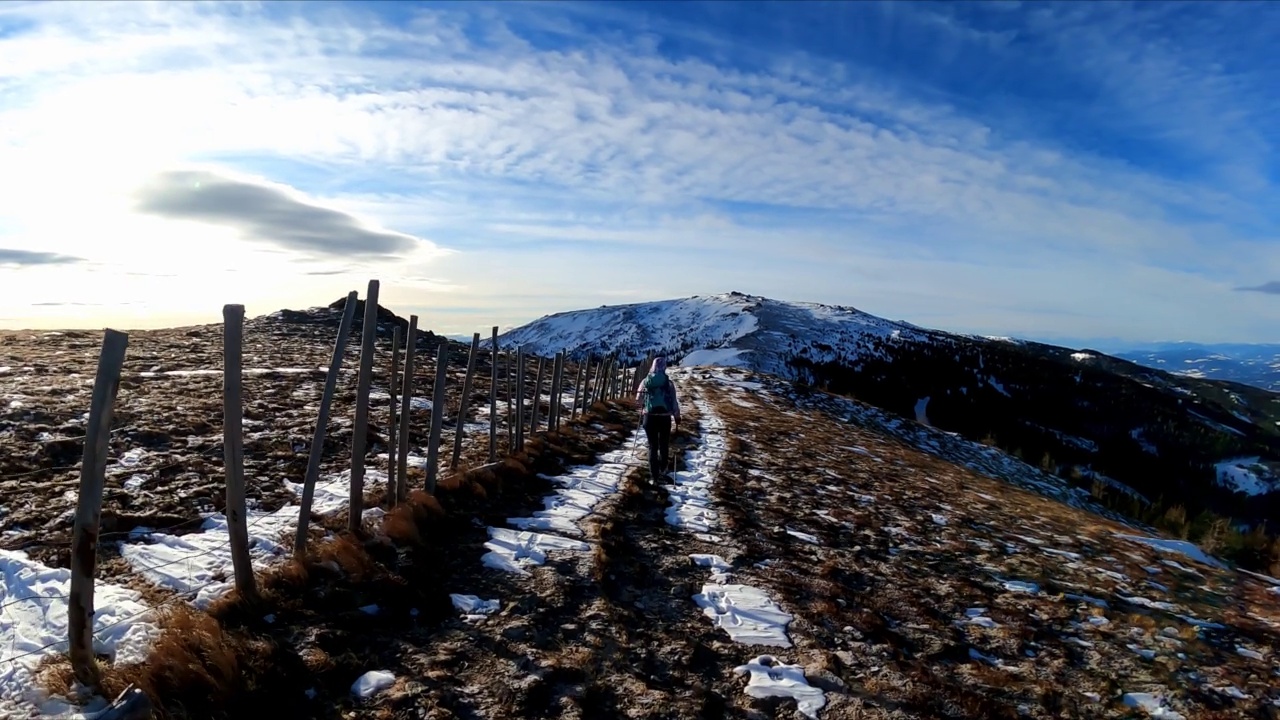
(866, 132)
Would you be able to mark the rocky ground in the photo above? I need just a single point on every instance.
(809, 556)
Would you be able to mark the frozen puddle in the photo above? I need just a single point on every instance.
(33, 626)
(199, 563)
(582, 489)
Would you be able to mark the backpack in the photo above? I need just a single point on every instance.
(655, 400)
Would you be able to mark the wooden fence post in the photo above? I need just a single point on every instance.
(392, 494)
(360, 433)
(537, 398)
(406, 407)
(577, 392)
(519, 399)
(511, 425)
(493, 398)
(322, 425)
(641, 371)
(84, 536)
(233, 449)
(597, 391)
(437, 416)
(588, 391)
(464, 401)
(553, 403)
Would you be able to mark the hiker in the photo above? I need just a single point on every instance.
(658, 408)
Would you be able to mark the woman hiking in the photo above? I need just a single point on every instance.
(658, 409)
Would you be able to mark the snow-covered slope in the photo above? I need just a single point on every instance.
(729, 329)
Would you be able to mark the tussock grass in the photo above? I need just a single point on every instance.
(231, 661)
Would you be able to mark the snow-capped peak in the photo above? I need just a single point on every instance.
(728, 329)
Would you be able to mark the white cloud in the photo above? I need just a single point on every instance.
(498, 148)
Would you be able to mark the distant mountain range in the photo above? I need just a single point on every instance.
(1162, 437)
(1257, 365)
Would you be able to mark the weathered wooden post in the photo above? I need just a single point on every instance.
(437, 416)
(593, 379)
(641, 371)
(360, 432)
(598, 386)
(511, 417)
(84, 535)
(553, 404)
(233, 449)
(392, 493)
(493, 398)
(464, 401)
(406, 406)
(519, 399)
(322, 425)
(537, 398)
(606, 373)
(577, 392)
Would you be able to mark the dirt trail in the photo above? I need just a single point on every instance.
(916, 587)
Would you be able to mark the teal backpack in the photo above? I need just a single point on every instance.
(655, 400)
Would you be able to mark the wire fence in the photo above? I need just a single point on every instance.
(596, 380)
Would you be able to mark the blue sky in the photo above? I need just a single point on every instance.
(1065, 172)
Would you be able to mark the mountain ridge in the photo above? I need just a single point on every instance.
(1181, 444)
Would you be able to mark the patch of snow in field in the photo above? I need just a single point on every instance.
(1152, 704)
(1021, 586)
(1081, 357)
(200, 562)
(1144, 602)
(515, 551)
(770, 678)
(804, 536)
(746, 613)
(33, 615)
(372, 683)
(1242, 475)
(472, 607)
(1176, 546)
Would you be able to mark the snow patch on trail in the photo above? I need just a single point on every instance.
(771, 678)
(746, 613)
(581, 490)
(690, 493)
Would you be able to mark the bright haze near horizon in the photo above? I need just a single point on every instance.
(1061, 172)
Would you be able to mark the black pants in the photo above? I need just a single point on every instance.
(658, 429)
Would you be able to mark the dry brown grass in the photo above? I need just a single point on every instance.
(230, 662)
(195, 669)
(899, 583)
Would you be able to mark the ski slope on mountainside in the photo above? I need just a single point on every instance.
(729, 329)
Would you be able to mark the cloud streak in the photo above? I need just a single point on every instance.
(266, 214)
(10, 257)
(1271, 288)
(575, 136)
